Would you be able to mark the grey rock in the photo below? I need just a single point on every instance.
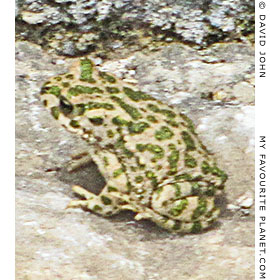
(246, 200)
(18, 4)
(201, 23)
(68, 48)
(224, 67)
(47, 15)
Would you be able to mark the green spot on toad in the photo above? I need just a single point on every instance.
(86, 71)
(106, 200)
(117, 172)
(136, 95)
(139, 127)
(200, 210)
(107, 77)
(54, 90)
(112, 189)
(112, 90)
(179, 208)
(78, 89)
(190, 144)
(190, 161)
(74, 124)
(132, 111)
(164, 133)
(55, 112)
(96, 120)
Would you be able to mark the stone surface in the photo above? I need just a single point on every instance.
(55, 243)
(118, 24)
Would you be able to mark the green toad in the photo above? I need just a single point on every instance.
(149, 154)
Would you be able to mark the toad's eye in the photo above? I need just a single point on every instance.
(65, 106)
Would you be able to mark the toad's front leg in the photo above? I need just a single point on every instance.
(111, 199)
(105, 205)
(78, 161)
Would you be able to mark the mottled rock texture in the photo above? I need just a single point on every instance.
(76, 27)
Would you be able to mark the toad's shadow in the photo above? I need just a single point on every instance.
(91, 179)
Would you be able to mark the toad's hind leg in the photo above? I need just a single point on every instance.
(108, 201)
(184, 227)
(178, 226)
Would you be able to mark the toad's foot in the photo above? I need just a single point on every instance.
(102, 204)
